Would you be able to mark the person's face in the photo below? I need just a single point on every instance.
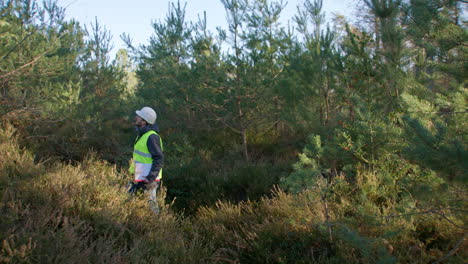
(139, 122)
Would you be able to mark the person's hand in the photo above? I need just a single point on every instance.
(151, 182)
(136, 187)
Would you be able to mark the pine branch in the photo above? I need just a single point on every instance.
(435, 211)
(33, 61)
(27, 36)
(450, 221)
(17, 45)
(454, 249)
(442, 113)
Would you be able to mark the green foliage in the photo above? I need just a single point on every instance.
(38, 51)
(85, 212)
(435, 28)
(308, 168)
(436, 132)
(378, 109)
(56, 79)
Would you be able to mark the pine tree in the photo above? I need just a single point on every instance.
(163, 68)
(436, 100)
(389, 47)
(102, 80)
(236, 15)
(123, 62)
(319, 60)
(38, 53)
(436, 133)
(266, 43)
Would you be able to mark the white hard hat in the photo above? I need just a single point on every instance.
(148, 114)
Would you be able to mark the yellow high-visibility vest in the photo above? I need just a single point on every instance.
(142, 160)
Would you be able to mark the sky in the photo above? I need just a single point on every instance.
(134, 17)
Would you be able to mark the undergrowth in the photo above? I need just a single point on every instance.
(64, 213)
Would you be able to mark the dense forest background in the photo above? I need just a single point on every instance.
(310, 142)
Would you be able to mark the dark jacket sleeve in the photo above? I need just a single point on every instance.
(157, 155)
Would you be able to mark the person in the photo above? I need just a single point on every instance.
(148, 157)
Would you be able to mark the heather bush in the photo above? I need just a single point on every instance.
(64, 213)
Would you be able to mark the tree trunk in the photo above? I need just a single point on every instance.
(244, 144)
(243, 131)
(377, 33)
(327, 100)
(277, 122)
(327, 109)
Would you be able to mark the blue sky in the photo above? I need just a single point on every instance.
(134, 17)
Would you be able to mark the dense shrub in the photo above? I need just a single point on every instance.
(63, 213)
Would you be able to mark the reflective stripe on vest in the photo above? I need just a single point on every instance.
(142, 159)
